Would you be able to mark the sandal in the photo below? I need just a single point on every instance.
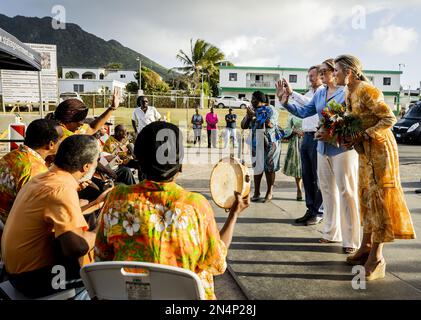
(255, 198)
(268, 198)
(323, 240)
(351, 260)
(348, 250)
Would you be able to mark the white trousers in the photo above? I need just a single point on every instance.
(230, 132)
(338, 178)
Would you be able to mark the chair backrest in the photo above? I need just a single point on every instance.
(117, 280)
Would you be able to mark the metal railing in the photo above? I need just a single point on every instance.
(260, 84)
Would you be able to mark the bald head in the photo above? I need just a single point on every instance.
(120, 132)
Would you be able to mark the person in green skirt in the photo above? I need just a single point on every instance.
(292, 165)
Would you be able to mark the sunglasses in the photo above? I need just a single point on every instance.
(324, 71)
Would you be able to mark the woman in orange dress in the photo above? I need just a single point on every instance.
(384, 213)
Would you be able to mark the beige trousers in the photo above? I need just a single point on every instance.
(338, 178)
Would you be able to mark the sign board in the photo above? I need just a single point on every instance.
(23, 86)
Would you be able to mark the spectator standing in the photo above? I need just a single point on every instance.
(212, 128)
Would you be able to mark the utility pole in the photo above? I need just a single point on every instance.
(202, 95)
(140, 92)
(399, 96)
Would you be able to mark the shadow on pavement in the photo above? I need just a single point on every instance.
(334, 277)
(289, 247)
(274, 239)
(291, 263)
(257, 220)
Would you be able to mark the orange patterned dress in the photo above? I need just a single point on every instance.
(384, 212)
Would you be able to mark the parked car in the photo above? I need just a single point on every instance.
(231, 102)
(408, 128)
(69, 95)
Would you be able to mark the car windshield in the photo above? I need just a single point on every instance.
(414, 112)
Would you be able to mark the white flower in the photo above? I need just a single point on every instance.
(195, 237)
(113, 216)
(106, 224)
(181, 221)
(7, 180)
(110, 219)
(159, 222)
(336, 118)
(132, 224)
(160, 208)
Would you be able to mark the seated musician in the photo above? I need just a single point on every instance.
(20, 165)
(158, 221)
(117, 146)
(46, 226)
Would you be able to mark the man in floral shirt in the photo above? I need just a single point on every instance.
(158, 221)
(20, 165)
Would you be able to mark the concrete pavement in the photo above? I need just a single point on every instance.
(273, 258)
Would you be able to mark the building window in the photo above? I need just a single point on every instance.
(293, 78)
(78, 88)
(233, 77)
(122, 76)
(387, 81)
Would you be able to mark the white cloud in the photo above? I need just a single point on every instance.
(233, 47)
(393, 40)
(294, 33)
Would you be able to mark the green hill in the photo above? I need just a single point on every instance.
(76, 47)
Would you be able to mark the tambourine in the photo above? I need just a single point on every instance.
(227, 176)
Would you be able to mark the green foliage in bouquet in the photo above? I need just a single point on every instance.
(339, 125)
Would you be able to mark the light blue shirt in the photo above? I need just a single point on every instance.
(316, 106)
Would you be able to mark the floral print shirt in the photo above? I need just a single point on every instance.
(67, 133)
(17, 168)
(113, 146)
(162, 223)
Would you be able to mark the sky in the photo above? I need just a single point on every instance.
(297, 33)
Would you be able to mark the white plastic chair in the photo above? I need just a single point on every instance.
(110, 281)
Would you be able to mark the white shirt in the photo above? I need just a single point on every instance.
(142, 119)
(309, 124)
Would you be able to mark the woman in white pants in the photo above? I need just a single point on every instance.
(337, 167)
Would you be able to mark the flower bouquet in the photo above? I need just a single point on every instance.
(340, 126)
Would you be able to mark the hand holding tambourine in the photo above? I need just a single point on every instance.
(227, 177)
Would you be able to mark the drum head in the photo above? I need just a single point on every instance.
(228, 176)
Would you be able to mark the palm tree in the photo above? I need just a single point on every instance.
(203, 57)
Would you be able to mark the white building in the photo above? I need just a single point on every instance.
(95, 79)
(87, 85)
(243, 81)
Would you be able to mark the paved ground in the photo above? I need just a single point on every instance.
(274, 259)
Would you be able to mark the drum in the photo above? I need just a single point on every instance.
(227, 176)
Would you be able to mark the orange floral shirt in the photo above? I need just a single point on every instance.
(17, 168)
(113, 146)
(162, 223)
